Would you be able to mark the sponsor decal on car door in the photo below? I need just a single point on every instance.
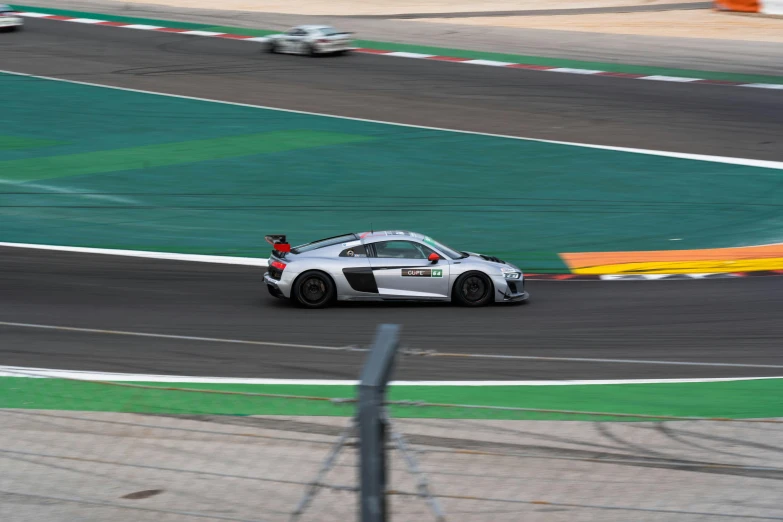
(401, 269)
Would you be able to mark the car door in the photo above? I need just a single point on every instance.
(291, 42)
(402, 269)
(353, 273)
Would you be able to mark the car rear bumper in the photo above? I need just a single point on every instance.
(277, 288)
(333, 47)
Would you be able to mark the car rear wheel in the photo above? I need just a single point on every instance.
(272, 47)
(313, 290)
(473, 289)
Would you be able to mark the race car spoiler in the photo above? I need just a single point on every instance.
(278, 242)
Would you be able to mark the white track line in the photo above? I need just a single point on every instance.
(167, 336)
(49, 373)
(354, 349)
(225, 260)
(777, 165)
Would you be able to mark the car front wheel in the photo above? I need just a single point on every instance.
(473, 289)
(313, 289)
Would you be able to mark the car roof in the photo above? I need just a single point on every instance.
(312, 27)
(378, 234)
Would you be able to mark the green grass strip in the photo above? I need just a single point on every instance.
(442, 51)
(731, 399)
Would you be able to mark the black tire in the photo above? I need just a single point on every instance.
(473, 289)
(272, 48)
(313, 289)
(313, 52)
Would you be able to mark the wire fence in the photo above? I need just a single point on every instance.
(78, 450)
(94, 451)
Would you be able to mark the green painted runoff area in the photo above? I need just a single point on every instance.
(96, 167)
(731, 399)
(17, 142)
(442, 51)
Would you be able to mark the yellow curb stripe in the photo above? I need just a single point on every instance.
(684, 267)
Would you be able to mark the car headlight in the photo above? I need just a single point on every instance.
(511, 273)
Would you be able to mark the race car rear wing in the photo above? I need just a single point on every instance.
(278, 242)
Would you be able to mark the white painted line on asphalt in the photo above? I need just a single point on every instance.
(143, 27)
(492, 63)
(402, 54)
(766, 164)
(763, 86)
(174, 337)
(48, 373)
(574, 71)
(202, 33)
(42, 373)
(34, 15)
(86, 21)
(364, 350)
(677, 79)
(224, 260)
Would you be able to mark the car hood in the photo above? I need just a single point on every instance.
(491, 260)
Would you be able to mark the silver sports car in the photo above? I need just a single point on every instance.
(390, 265)
(310, 39)
(10, 19)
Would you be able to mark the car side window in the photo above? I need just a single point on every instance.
(357, 251)
(401, 250)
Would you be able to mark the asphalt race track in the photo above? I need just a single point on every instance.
(700, 119)
(716, 323)
(709, 321)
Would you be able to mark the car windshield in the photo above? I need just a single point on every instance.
(329, 31)
(450, 252)
(321, 243)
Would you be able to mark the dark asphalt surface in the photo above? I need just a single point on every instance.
(714, 321)
(717, 321)
(704, 119)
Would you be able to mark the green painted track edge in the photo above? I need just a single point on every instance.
(728, 399)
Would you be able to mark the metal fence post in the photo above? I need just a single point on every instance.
(372, 424)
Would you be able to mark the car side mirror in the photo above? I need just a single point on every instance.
(434, 258)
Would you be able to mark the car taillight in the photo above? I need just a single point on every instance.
(277, 264)
(323, 40)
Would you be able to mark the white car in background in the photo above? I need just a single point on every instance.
(10, 19)
(310, 39)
